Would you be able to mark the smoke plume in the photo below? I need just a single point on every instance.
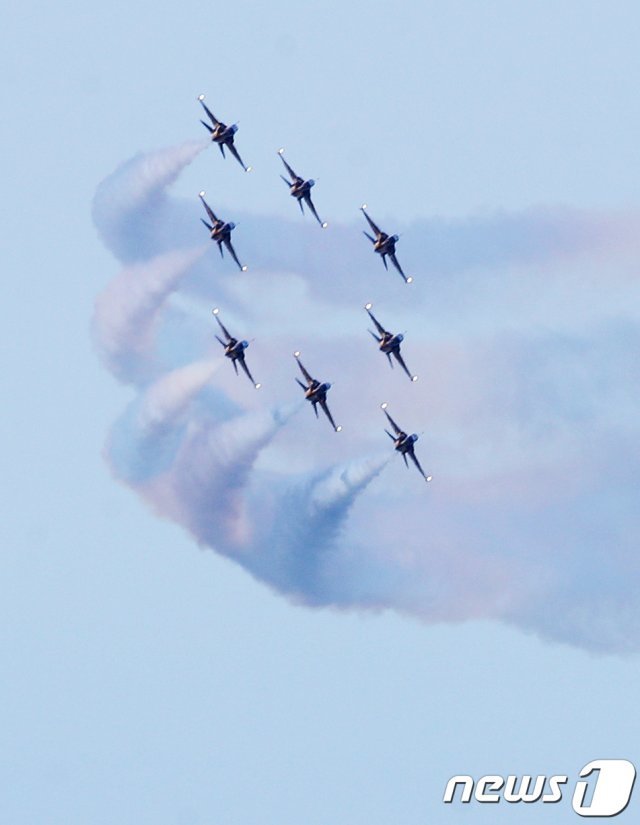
(524, 328)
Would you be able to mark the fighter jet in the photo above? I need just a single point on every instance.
(316, 393)
(404, 443)
(220, 232)
(384, 245)
(222, 134)
(300, 189)
(389, 343)
(234, 350)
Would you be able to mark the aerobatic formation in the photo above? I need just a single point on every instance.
(527, 406)
(385, 245)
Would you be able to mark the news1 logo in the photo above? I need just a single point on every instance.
(604, 788)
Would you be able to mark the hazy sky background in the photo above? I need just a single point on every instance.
(146, 680)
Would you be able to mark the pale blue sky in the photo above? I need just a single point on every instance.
(145, 680)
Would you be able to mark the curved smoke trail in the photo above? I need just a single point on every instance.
(129, 202)
(524, 329)
(127, 311)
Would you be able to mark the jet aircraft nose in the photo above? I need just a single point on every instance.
(311, 182)
(400, 336)
(244, 344)
(413, 438)
(326, 385)
(396, 238)
(234, 128)
(231, 225)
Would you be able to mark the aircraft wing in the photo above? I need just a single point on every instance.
(396, 429)
(289, 169)
(210, 114)
(308, 377)
(325, 408)
(379, 326)
(223, 328)
(236, 155)
(210, 212)
(309, 202)
(394, 261)
(245, 368)
(417, 463)
(374, 226)
(396, 354)
(232, 252)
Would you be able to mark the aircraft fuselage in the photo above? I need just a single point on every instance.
(404, 443)
(301, 188)
(316, 393)
(234, 349)
(390, 343)
(221, 232)
(385, 245)
(223, 133)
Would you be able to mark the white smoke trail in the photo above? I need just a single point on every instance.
(127, 310)
(145, 440)
(205, 488)
(522, 328)
(166, 401)
(136, 187)
(299, 554)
